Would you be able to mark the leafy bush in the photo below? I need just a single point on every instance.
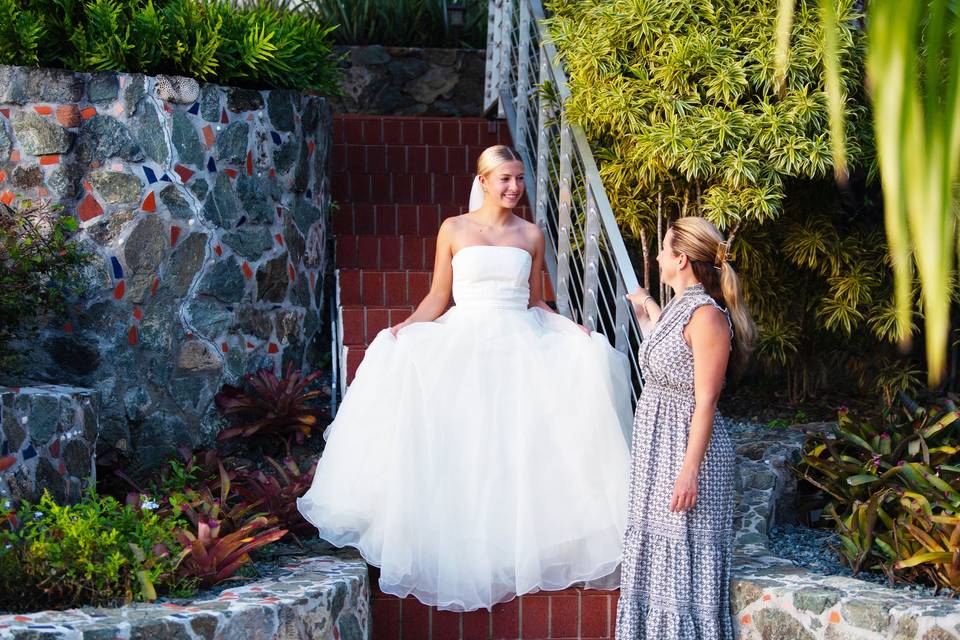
(40, 265)
(401, 23)
(894, 490)
(680, 104)
(277, 491)
(270, 405)
(261, 44)
(97, 552)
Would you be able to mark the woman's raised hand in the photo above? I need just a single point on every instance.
(395, 328)
(639, 299)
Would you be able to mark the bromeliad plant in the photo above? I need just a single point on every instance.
(270, 405)
(277, 492)
(894, 490)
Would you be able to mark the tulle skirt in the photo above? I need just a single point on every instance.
(480, 456)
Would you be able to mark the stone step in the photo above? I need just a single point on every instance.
(398, 219)
(401, 130)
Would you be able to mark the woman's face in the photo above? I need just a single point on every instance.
(670, 264)
(505, 184)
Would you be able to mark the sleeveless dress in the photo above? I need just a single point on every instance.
(675, 580)
(483, 455)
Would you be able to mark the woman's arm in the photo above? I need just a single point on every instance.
(645, 308)
(708, 335)
(436, 301)
(536, 275)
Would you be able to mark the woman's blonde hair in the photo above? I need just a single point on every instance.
(493, 157)
(708, 253)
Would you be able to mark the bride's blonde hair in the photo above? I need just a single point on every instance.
(493, 157)
(708, 253)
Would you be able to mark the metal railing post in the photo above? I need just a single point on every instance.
(591, 268)
(563, 222)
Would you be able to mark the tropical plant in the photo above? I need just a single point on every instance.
(913, 67)
(211, 555)
(40, 267)
(276, 492)
(893, 488)
(402, 23)
(270, 405)
(96, 552)
(686, 115)
(260, 44)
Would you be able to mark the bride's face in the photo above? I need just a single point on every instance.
(505, 184)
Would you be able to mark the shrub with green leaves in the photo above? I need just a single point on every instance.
(680, 102)
(893, 490)
(97, 552)
(402, 23)
(262, 44)
(40, 265)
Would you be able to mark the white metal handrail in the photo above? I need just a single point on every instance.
(586, 255)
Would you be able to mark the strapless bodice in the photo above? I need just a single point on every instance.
(492, 276)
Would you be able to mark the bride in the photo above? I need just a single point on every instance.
(481, 451)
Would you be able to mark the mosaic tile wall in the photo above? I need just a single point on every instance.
(48, 437)
(207, 208)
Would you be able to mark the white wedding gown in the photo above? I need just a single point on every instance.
(483, 455)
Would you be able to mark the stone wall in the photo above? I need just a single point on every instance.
(206, 209)
(404, 81)
(326, 597)
(48, 438)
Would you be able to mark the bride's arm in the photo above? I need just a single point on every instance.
(536, 276)
(436, 301)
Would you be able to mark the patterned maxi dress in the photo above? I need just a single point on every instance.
(676, 566)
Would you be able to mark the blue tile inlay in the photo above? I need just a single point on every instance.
(275, 136)
(195, 109)
(151, 176)
(5, 448)
(211, 165)
(117, 269)
(241, 220)
(309, 193)
(165, 178)
(29, 452)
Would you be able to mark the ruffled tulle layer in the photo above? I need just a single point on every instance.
(480, 457)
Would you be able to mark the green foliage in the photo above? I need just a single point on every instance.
(40, 265)
(97, 552)
(401, 23)
(681, 103)
(894, 490)
(261, 44)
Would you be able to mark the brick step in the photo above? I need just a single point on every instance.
(361, 324)
(403, 219)
(413, 130)
(402, 158)
(353, 356)
(571, 614)
(385, 252)
(401, 188)
(394, 288)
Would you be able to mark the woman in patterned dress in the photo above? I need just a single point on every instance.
(677, 545)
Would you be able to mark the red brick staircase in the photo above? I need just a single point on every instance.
(395, 179)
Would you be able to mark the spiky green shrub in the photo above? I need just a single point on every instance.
(402, 23)
(261, 44)
(680, 103)
(893, 490)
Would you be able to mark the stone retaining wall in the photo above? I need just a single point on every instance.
(48, 438)
(404, 81)
(774, 600)
(322, 598)
(206, 209)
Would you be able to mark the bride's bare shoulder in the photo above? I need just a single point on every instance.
(529, 229)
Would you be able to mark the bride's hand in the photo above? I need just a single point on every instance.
(585, 329)
(395, 328)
